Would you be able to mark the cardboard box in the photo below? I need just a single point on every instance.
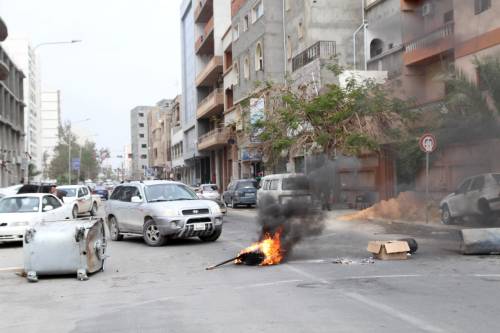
(389, 250)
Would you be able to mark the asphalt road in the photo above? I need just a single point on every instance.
(167, 289)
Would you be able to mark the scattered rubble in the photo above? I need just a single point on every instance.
(346, 261)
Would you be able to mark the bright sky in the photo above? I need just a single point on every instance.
(130, 55)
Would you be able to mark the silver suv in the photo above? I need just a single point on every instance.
(478, 195)
(159, 210)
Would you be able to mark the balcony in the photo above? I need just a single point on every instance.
(210, 105)
(209, 75)
(429, 47)
(203, 11)
(214, 139)
(319, 50)
(205, 43)
(3, 30)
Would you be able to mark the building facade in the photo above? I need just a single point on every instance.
(50, 113)
(11, 118)
(159, 121)
(139, 141)
(24, 56)
(176, 142)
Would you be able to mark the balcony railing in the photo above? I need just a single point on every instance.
(202, 41)
(203, 11)
(319, 50)
(210, 73)
(431, 38)
(215, 138)
(211, 104)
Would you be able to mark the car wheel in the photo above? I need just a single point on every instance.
(114, 230)
(213, 237)
(446, 215)
(249, 206)
(74, 212)
(152, 235)
(93, 211)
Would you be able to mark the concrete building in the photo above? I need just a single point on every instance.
(139, 141)
(159, 122)
(11, 118)
(176, 143)
(50, 113)
(24, 56)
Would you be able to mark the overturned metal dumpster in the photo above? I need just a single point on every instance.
(64, 247)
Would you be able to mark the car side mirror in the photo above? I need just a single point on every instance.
(48, 208)
(136, 199)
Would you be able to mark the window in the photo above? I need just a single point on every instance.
(236, 72)
(274, 184)
(481, 5)
(259, 58)
(300, 30)
(141, 124)
(80, 192)
(141, 135)
(144, 145)
(246, 68)
(376, 47)
(116, 193)
(144, 156)
(52, 201)
(448, 16)
(463, 187)
(236, 32)
(245, 23)
(141, 114)
(257, 11)
(85, 191)
(477, 184)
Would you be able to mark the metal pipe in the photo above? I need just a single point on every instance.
(284, 40)
(362, 26)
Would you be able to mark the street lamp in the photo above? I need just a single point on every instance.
(69, 147)
(73, 41)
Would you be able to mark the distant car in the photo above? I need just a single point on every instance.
(209, 191)
(101, 191)
(241, 192)
(478, 195)
(20, 211)
(160, 210)
(285, 187)
(81, 199)
(11, 190)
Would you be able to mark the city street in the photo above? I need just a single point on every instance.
(167, 289)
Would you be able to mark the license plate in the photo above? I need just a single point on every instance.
(199, 226)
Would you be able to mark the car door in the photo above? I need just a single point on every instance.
(135, 212)
(87, 195)
(474, 194)
(457, 202)
(52, 214)
(114, 205)
(126, 208)
(58, 212)
(226, 196)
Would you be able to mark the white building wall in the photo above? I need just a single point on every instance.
(50, 122)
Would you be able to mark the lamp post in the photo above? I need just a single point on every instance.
(69, 147)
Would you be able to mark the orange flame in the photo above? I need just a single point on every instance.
(270, 246)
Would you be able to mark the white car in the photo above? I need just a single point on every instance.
(81, 199)
(478, 195)
(208, 191)
(20, 211)
(11, 190)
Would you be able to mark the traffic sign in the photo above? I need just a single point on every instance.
(428, 143)
(75, 163)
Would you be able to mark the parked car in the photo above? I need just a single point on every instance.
(101, 191)
(81, 199)
(241, 192)
(160, 210)
(18, 212)
(35, 188)
(478, 195)
(10, 190)
(284, 187)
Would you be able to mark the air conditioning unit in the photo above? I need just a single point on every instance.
(427, 9)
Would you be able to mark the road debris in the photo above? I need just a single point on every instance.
(389, 250)
(481, 241)
(346, 261)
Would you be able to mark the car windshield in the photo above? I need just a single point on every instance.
(169, 192)
(209, 188)
(19, 205)
(295, 184)
(247, 184)
(69, 192)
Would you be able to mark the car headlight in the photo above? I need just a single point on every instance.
(170, 212)
(20, 224)
(216, 210)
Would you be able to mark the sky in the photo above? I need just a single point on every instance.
(129, 55)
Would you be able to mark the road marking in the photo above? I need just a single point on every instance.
(257, 285)
(393, 312)
(360, 277)
(485, 275)
(307, 275)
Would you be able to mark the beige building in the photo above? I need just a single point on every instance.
(159, 125)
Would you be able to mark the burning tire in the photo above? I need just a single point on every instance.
(213, 237)
(446, 215)
(152, 235)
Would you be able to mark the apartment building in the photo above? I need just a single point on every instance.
(139, 141)
(176, 142)
(159, 122)
(12, 155)
(24, 56)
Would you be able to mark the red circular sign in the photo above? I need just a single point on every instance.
(428, 143)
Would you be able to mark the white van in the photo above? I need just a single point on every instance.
(284, 187)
